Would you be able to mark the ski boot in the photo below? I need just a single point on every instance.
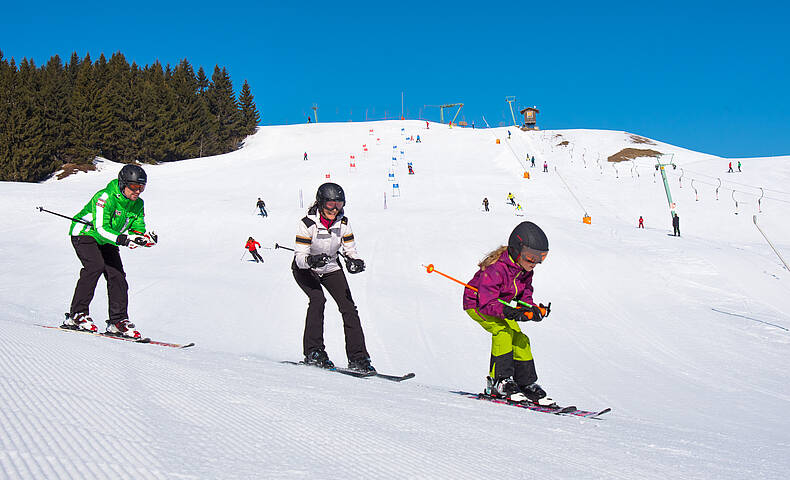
(362, 366)
(504, 388)
(122, 328)
(318, 358)
(79, 321)
(537, 395)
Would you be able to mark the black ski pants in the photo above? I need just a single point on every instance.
(98, 260)
(335, 283)
(256, 256)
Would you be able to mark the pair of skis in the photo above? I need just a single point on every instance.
(553, 409)
(65, 328)
(358, 374)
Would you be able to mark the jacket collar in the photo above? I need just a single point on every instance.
(513, 268)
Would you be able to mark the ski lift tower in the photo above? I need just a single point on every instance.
(448, 105)
(510, 101)
(660, 166)
(315, 112)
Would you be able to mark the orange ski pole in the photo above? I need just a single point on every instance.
(431, 269)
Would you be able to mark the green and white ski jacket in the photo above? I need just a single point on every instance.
(111, 215)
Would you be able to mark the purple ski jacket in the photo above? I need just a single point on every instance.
(503, 279)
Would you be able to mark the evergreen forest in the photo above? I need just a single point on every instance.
(68, 114)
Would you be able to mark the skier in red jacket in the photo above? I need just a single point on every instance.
(251, 243)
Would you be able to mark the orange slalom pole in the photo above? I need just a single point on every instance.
(431, 269)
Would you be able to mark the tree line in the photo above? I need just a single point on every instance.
(60, 113)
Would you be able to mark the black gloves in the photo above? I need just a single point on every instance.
(518, 314)
(534, 313)
(355, 265)
(317, 261)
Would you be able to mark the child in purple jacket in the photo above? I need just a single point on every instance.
(506, 274)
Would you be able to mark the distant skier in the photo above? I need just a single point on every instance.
(739, 165)
(641, 222)
(305, 156)
(250, 245)
(545, 166)
(506, 274)
(676, 225)
(730, 170)
(262, 207)
(117, 219)
(511, 199)
(518, 210)
(308, 119)
(319, 237)
(533, 160)
(485, 203)
(508, 134)
(418, 139)
(427, 125)
(411, 170)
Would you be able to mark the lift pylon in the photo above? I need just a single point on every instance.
(510, 100)
(448, 105)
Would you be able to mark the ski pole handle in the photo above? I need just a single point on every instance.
(78, 220)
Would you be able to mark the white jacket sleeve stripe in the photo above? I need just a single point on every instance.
(99, 220)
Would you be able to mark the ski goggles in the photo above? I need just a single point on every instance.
(533, 256)
(136, 187)
(334, 204)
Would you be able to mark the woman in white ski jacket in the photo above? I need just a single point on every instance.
(320, 236)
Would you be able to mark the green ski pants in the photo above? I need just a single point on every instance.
(511, 355)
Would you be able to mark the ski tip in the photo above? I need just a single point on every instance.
(191, 344)
(605, 410)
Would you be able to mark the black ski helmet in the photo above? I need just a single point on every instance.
(131, 174)
(329, 191)
(528, 236)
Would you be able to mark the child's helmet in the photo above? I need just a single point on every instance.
(528, 238)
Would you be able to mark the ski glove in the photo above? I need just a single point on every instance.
(355, 265)
(526, 314)
(317, 261)
(540, 311)
(133, 241)
(517, 313)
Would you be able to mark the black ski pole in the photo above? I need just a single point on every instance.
(277, 245)
(78, 220)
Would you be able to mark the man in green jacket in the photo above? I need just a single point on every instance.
(116, 218)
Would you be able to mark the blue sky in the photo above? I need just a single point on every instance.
(711, 77)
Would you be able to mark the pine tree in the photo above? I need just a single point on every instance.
(7, 80)
(191, 113)
(202, 80)
(53, 109)
(223, 107)
(114, 109)
(249, 113)
(84, 124)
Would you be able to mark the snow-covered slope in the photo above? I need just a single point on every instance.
(685, 338)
